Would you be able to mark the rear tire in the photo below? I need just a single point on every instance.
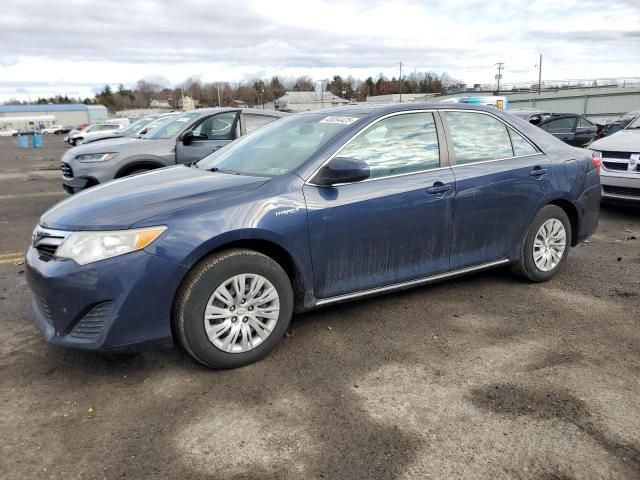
(221, 320)
(546, 246)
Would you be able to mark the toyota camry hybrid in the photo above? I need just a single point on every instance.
(314, 209)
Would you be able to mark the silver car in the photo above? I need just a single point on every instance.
(138, 128)
(619, 157)
(185, 139)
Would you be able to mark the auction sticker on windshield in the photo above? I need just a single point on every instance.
(340, 120)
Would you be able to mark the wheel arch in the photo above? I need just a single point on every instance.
(572, 212)
(137, 164)
(267, 246)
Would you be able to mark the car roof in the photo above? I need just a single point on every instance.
(385, 108)
(257, 111)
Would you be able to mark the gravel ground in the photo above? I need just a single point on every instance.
(483, 377)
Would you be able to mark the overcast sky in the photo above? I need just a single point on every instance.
(75, 46)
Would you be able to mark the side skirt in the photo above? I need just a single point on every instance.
(408, 284)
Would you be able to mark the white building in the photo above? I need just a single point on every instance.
(305, 101)
(187, 103)
(37, 116)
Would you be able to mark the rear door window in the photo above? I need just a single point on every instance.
(251, 121)
(560, 125)
(584, 123)
(478, 137)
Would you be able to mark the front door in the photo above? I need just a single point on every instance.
(209, 135)
(501, 179)
(393, 227)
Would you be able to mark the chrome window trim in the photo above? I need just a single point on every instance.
(507, 125)
(409, 283)
(356, 134)
(495, 160)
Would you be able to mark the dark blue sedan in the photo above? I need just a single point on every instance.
(313, 209)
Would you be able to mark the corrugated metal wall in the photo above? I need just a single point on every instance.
(612, 104)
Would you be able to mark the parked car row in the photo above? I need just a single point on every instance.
(615, 147)
(138, 128)
(185, 138)
(309, 210)
(571, 128)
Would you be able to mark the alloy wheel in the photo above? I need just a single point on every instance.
(549, 245)
(241, 313)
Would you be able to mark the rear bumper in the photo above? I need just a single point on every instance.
(588, 212)
(108, 304)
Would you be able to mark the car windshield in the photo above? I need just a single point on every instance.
(280, 146)
(172, 128)
(137, 125)
(635, 124)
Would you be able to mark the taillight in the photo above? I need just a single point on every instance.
(596, 158)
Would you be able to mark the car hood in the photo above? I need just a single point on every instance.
(621, 141)
(122, 145)
(122, 203)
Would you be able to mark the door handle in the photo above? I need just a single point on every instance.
(538, 171)
(439, 187)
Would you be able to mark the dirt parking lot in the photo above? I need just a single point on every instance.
(484, 377)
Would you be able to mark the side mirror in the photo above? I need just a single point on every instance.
(187, 138)
(342, 170)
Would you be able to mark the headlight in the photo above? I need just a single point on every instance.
(88, 247)
(96, 157)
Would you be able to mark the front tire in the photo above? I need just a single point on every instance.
(546, 246)
(233, 308)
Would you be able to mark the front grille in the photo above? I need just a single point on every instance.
(47, 252)
(67, 171)
(629, 192)
(619, 166)
(618, 155)
(46, 242)
(92, 324)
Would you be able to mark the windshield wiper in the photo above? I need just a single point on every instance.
(230, 172)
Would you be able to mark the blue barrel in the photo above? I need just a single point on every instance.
(37, 140)
(23, 141)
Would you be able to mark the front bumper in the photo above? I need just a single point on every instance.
(77, 176)
(111, 303)
(622, 186)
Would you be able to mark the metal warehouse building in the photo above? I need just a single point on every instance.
(25, 116)
(597, 103)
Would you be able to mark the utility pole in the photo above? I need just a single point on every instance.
(539, 74)
(400, 82)
(499, 75)
(321, 90)
(219, 104)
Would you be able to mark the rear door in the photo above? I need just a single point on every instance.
(563, 128)
(500, 179)
(210, 134)
(393, 227)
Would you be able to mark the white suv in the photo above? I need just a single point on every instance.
(76, 138)
(619, 157)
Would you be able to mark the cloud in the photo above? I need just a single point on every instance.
(101, 42)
